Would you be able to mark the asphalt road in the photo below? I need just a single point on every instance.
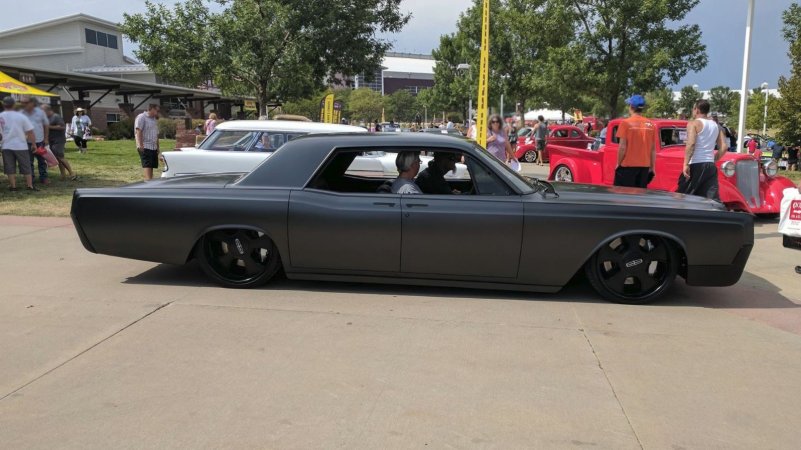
(100, 352)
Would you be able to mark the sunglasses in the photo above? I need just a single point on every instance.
(496, 121)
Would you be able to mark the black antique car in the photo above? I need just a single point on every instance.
(305, 210)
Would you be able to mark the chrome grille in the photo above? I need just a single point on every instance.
(748, 181)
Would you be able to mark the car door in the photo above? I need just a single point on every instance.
(464, 235)
(344, 231)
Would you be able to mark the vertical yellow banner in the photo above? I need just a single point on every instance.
(328, 109)
(483, 78)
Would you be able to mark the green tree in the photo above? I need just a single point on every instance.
(659, 103)
(281, 49)
(626, 46)
(721, 99)
(789, 107)
(755, 116)
(687, 98)
(366, 104)
(401, 106)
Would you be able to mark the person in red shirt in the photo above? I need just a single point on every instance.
(752, 146)
(637, 150)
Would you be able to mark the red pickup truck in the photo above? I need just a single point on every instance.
(746, 184)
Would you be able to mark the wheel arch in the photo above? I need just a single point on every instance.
(678, 244)
(209, 229)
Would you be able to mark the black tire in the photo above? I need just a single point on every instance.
(634, 269)
(564, 174)
(530, 156)
(238, 258)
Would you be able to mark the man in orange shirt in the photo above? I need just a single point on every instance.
(636, 153)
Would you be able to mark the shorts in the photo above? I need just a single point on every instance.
(57, 148)
(150, 159)
(540, 145)
(638, 177)
(12, 157)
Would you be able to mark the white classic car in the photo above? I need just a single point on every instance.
(239, 146)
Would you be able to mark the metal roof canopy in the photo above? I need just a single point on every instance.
(75, 81)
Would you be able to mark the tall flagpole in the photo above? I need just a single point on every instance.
(483, 78)
(744, 87)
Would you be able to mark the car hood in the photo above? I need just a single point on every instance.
(576, 193)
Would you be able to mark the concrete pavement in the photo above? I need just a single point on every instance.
(100, 352)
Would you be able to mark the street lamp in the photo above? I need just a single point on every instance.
(462, 67)
(744, 86)
(765, 116)
(503, 89)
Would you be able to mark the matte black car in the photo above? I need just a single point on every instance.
(303, 210)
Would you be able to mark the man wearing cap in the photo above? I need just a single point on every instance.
(637, 150)
(80, 123)
(41, 131)
(431, 180)
(18, 137)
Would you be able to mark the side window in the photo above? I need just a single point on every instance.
(228, 140)
(485, 181)
(574, 133)
(615, 139)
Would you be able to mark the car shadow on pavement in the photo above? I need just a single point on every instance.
(752, 292)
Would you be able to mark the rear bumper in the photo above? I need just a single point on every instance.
(723, 275)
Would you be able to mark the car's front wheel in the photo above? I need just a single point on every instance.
(238, 258)
(530, 156)
(633, 269)
(563, 174)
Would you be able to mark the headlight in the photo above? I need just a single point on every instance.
(771, 168)
(728, 168)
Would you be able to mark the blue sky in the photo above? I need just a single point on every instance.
(722, 22)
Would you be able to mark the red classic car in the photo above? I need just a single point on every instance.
(564, 135)
(745, 183)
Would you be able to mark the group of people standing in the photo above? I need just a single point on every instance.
(706, 143)
(23, 132)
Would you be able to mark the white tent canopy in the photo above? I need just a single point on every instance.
(548, 114)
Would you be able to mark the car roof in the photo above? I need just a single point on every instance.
(288, 125)
(560, 127)
(294, 163)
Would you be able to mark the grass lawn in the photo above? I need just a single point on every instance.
(107, 163)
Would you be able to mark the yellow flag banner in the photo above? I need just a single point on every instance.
(483, 78)
(327, 109)
(11, 85)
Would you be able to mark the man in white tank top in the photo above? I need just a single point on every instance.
(700, 174)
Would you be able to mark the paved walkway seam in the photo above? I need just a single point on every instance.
(608, 381)
(160, 307)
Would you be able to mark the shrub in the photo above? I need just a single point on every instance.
(123, 129)
(167, 128)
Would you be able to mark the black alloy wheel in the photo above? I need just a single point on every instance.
(530, 156)
(633, 269)
(238, 258)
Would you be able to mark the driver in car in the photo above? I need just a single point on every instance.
(263, 144)
(408, 165)
(432, 179)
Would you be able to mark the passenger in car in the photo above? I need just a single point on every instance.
(408, 164)
(263, 144)
(432, 179)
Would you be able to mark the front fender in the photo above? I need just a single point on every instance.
(731, 196)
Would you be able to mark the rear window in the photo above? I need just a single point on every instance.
(672, 136)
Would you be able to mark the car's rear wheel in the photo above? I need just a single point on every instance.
(633, 269)
(238, 258)
(530, 156)
(564, 174)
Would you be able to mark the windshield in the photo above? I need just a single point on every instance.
(514, 178)
(247, 140)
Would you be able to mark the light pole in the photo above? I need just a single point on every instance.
(425, 119)
(503, 89)
(765, 116)
(465, 66)
(744, 87)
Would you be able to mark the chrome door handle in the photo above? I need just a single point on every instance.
(389, 204)
(413, 205)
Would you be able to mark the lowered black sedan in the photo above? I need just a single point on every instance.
(306, 210)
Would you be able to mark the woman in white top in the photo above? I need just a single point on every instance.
(700, 175)
(211, 124)
(80, 129)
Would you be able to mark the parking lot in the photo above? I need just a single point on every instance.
(100, 352)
